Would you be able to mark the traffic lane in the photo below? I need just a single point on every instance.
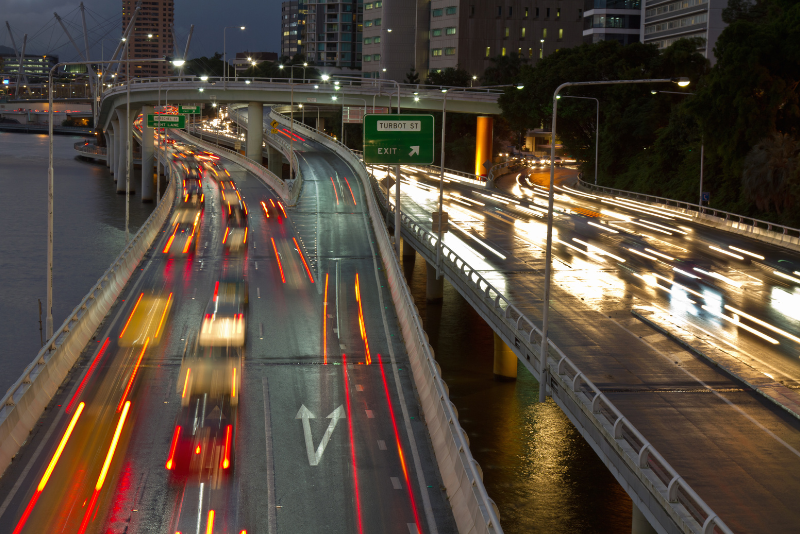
(503, 244)
(144, 486)
(101, 394)
(743, 474)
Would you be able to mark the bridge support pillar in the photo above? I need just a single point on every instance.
(505, 361)
(407, 249)
(434, 289)
(275, 161)
(148, 148)
(114, 149)
(321, 124)
(107, 136)
(255, 131)
(483, 145)
(640, 524)
(125, 125)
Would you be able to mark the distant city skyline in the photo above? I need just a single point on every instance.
(35, 17)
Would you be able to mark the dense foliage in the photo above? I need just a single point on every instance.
(747, 102)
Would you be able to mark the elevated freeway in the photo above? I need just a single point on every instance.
(330, 435)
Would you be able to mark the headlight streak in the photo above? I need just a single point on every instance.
(133, 374)
(599, 250)
(720, 277)
(574, 192)
(618, 216)
(485, 245)
(674, 283)
(651, 251)
(653, 208)
(740, 325)
(667, 228)
(651, 281)
(786, 276)
(466, 199)
(738, 257)
(131, 316)
(652, 228)
(648, 256)
(50, 467)
(602, 227)
(588, 253)
(626, 206)
(763, 323)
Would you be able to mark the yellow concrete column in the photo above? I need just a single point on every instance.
(483, 144)
(505, 361)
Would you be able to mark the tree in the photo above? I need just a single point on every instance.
(449, 77)
(504, 70)
(412, 76)
(206, 66)
(770, 172)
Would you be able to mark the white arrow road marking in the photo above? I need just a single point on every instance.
(305, 415)
(414, 150)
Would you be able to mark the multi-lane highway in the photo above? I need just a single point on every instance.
(310, 425)
(737, 449)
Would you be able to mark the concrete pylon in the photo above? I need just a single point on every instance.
(434, 289)
(505, 361)
(275, 161)
(483, 145)
(112, 149)
(148, 160)
(123, 133)
(407, 250)
(107, 136)
(321, 124)
(255, 133)
(639, 523)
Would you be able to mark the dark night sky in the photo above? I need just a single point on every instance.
(104, 21)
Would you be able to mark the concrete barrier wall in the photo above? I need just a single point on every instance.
(474, 511)
(25, 401)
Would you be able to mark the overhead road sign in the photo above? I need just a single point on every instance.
(166, 121)
(398, 139)
(189, 110)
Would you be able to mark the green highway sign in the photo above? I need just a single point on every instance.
(398, 139)
(166, 121)
(189, 110)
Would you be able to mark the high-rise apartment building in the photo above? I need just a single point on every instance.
(332, 34)
(151, 36)
(438, 34)
(292, 21)
(666, 21)
(612, 20)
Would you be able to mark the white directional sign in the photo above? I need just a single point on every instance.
(315, 456)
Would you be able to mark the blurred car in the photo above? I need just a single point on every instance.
(234, 239)
(193, 194)
(225, 322)
(146, 322)
(185, 237)
(204, 439)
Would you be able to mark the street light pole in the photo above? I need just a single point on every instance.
(549, 250)
(225, 56)
(597, 134)
(50, 180)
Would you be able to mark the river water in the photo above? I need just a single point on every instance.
(88, 234)
(541, 473)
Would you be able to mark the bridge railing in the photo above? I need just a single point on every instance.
(86, 148)
(372, 85)
(473, 509)
(696, 210)
(23, 404)
(665, 483)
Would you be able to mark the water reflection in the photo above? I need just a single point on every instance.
(539, 470)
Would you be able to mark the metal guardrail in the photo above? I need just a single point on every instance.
(460, 471)
(697, 210)
(86, 148)
(666, 484)
(26, 400)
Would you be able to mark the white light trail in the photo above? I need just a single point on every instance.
(740, 325)
(657, 253)
(603, 227)
(786, 276)
(763, 323)
(648, 256)
(719, 277)
(690, 275)
(726, 252)
(599, 250)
